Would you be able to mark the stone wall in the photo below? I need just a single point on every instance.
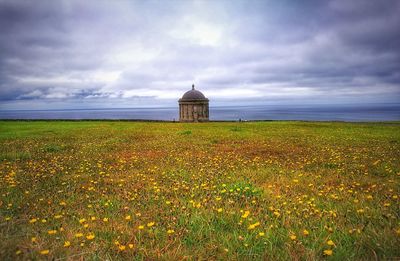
(193, 111)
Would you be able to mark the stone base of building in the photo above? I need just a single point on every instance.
(198, 120)
(193, 110)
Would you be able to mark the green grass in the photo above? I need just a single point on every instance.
(231, 191)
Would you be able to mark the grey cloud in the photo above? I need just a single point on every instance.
(72, 50)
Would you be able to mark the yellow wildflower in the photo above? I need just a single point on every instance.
(246, 214)
(170, 231)
(67, 244)
(79, 235)
(52, 232)
(150, 224)
(253, 226)
(328, 252)
(90, 236)
(45, 252)
(305, 232)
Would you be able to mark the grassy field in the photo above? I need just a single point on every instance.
(237, 191)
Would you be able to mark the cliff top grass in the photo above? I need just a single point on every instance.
(173, 191)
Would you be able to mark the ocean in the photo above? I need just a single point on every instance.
(350, 113)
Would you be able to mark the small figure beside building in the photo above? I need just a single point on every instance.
(193, 107)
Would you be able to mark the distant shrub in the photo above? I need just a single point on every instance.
(186, 132)
(236, 129)
(52, 148)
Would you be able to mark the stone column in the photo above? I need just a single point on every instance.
(190, 112)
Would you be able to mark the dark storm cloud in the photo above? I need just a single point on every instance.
(87, 50)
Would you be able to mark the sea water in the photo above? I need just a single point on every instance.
(353, 113)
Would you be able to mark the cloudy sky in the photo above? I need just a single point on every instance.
(90, 54)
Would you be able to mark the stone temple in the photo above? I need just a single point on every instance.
(193, 107)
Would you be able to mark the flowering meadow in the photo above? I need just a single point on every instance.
(112, 190)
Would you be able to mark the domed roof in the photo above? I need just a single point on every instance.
(193, 95)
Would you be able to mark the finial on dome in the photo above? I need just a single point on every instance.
(192, 86)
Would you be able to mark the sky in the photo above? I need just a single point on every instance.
(114, 54)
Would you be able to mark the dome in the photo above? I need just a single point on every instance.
(193, 95)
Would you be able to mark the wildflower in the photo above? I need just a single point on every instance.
(90, 236)
(150, 224)
(33, 239)
(219, 210)
(253, 226)
(130, 246)
(305, 232)
(170, 231)
(44, 252)
(128, 217)
(328, 252)
(33, 220)
(140, 227)
(293, 237)
(67, 244)
(82, 220)
(121, 247)
(246, 214)
(105, 219)
(261, 234)
(330, 243)
(52, 232)
(78, 235)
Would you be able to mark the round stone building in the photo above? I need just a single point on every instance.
(193, 107)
